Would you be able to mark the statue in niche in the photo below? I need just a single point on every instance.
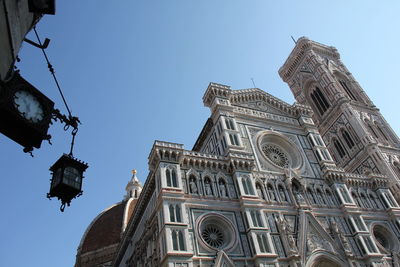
(222, 188)
(286, 231)
(259, 191)
(207, 186)
(193, 186)
(271, 193)
(297, 194)
(282, 193)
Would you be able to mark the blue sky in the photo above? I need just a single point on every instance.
(136, 71)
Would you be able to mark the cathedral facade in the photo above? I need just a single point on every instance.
(266, 184)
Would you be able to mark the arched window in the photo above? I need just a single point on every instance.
(319, 101)
(178, 213)
(171, 213)
(247, 187)
(355, 197)
(339, 148)
(347, 138)
(168, 174)
(229, 124)
(263, 243)
(347, 90)
(175, 240)
(259, 191)
(178, 242)
(181, 241)
(271, 192)
(174, 213)
(256, 218)
(174, 180)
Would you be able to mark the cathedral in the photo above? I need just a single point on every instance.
(267, 183)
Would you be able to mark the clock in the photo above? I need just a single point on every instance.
(25, 112)
(28, 106)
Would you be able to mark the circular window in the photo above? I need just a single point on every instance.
(276, 155)
(213, 236)
(216, 231)
(279, 150)
(384, 237)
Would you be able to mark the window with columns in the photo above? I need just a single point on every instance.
(347, 138)
(229, 124)
(347, 90)
(319, 100)
(175, 213)
(171, 178)
(263, 244)
(247, 186)
(339, 148)
(178, 241)
(256, 218)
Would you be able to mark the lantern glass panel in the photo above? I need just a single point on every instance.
(72, 177)
(56, 177)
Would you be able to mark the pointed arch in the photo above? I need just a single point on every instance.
(271, 192)
(347, 138)
(319, 100)
(282, 191)
(260, 189)
(208, 186)
(339, 147)
(168, 176)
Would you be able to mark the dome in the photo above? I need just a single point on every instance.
(100, 240)
(107, 227)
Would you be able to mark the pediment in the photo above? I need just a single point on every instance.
(260, 100)
(262, 106)
(314, 239)
(223, 260)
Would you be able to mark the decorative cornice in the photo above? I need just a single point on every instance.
(304, 45)
(334, 174)
(215, 90)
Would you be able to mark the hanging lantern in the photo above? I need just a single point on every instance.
(66, 182)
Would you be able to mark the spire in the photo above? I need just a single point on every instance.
(133, 188)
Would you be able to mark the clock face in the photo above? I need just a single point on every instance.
(28, 106)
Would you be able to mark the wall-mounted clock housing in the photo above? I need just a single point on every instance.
(25, 113)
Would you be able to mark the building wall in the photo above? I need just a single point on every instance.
(15, 22)
(264, 187)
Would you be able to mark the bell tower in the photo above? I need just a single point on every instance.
(357, 135)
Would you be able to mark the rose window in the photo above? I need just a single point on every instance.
(276, 155)
(216, 232)
(213, 236)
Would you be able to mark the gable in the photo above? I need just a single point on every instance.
(262, 106)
